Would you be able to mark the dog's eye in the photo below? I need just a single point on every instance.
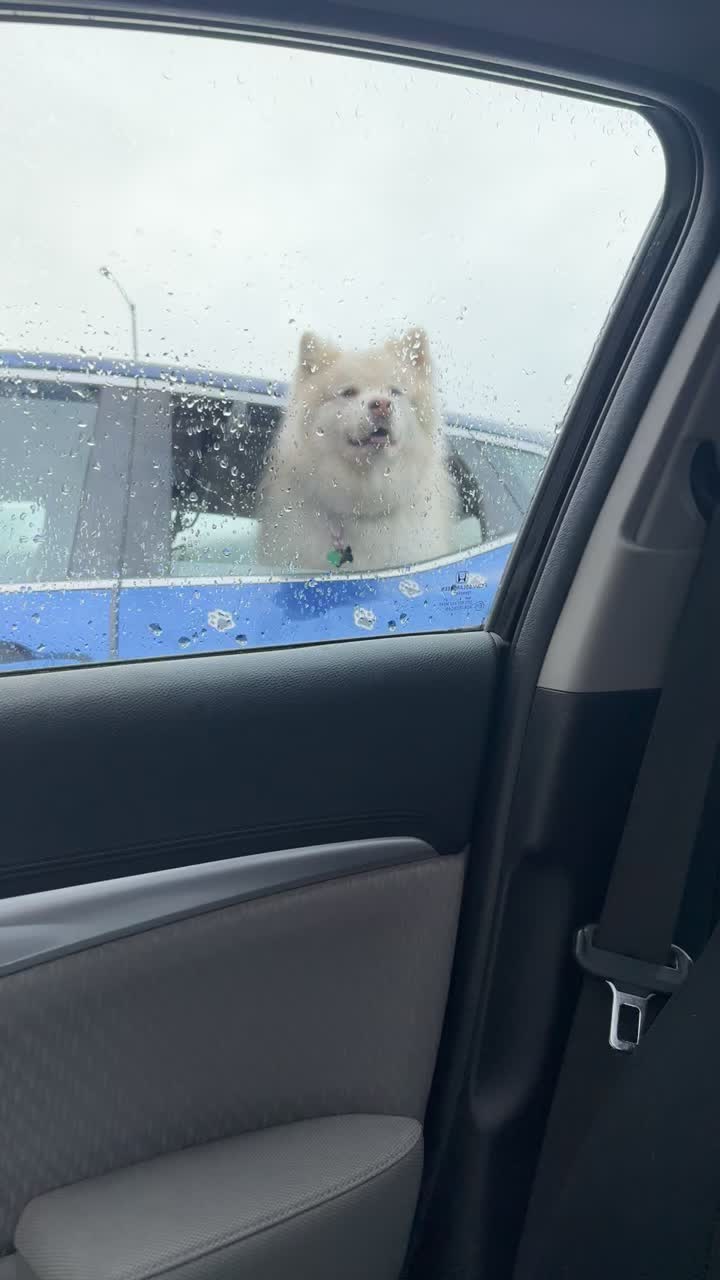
(395, 391)
(349, 392)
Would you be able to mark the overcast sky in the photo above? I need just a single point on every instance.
(243, 193)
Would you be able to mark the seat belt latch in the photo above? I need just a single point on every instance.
(633, 984)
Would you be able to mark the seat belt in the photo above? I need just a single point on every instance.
(631, 949)
(643, 1197)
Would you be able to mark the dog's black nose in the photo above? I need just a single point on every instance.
(380, 407)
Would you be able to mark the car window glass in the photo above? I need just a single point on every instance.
(46, 444)
(339, 306)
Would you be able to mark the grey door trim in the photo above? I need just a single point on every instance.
(146, 548)
(38, 927)
(99, 532)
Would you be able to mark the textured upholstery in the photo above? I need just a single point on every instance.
(321, 1199)
(321, 1001)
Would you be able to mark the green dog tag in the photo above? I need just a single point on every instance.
(340, 556)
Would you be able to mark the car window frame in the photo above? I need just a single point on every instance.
(104, 511)
(504, 437)
(92, 535)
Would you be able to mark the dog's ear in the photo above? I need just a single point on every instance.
(315, 354)
(413, 350)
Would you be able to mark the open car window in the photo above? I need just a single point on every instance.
(221, 447)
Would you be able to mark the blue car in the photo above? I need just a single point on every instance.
(128, 521)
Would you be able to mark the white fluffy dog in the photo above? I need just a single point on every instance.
(357, 478)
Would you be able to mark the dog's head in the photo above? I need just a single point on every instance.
(367, 407)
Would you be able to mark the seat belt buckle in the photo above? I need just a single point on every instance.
(623, 1001)
(633, 984)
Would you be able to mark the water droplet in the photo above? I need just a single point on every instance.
(241, 639)
(154, 628)
(35, 617)
(364, 618)
(403, 619)
(183, 641)
(392, 625)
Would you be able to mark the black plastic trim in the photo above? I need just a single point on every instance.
(44, 926)
(625, 971)
(119, 770)
(515, 979)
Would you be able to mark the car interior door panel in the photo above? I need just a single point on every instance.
(230, 1005)
(313, 1199)
(254, 1016)
(43, 926)
(240, 755)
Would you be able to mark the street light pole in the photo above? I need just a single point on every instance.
(109, 275)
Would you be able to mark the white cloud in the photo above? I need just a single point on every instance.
(242, 192)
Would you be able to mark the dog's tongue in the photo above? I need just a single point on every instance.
(378, 437)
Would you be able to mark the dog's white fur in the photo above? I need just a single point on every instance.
(340, 475)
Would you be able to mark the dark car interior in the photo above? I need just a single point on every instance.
(396, 957)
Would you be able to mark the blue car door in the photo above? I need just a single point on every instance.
(191, 581)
